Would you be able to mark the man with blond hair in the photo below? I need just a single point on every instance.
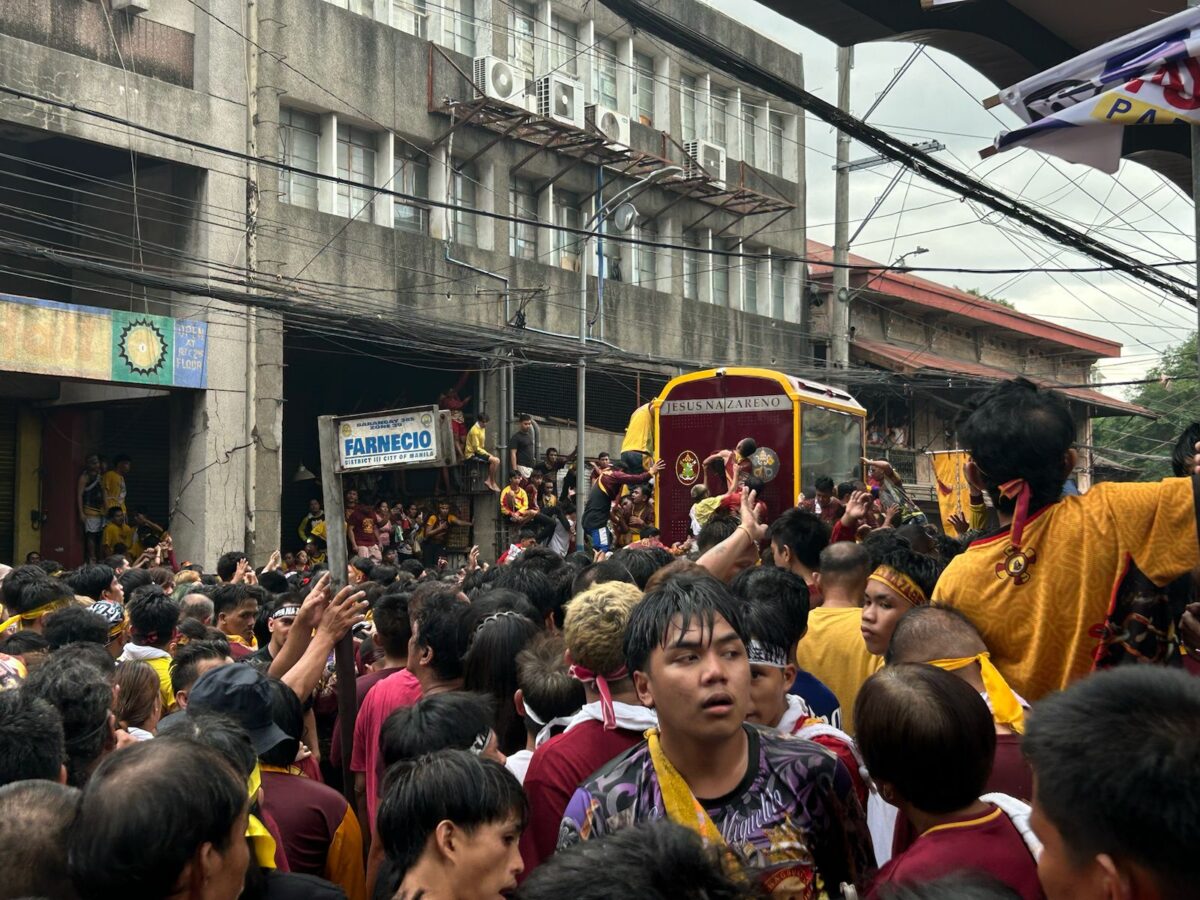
(611, 721)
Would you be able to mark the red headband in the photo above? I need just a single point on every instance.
(601, 682)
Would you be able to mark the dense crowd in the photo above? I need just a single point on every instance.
(840, 702)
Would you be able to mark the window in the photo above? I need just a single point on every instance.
(464, 182)
(687, 107)
(521, 36)
(749, 283)
(564, 46)
(604, 73)
(412, 177)
(647, 256)
(566, 243)
(777, 267)
(522, 202)
(719, 106)
(299, 138)
(410, 16)
(691, 266)
(748, 128)
(775, 161)
(356, 162)
(460, 26)
(643, 88)
(835, 439)
(720, 274)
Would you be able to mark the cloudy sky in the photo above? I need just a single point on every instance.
(938, 98)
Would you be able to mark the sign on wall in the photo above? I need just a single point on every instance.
(46, 337)
(402, 437)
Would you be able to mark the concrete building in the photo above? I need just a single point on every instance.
(920, 349)
(242, 300)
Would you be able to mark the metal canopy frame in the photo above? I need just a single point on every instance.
(581, 146)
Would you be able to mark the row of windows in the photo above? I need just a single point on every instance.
(744, 125)
(358, 161)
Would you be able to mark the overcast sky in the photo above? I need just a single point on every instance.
(1136, 210)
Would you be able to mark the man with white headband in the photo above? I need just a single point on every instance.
(280, 618)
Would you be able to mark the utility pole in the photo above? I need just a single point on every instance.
(251, 396)
(838, 356)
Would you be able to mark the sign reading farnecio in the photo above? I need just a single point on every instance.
(395, 438)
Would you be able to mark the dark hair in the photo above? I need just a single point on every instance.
(524, 417)
(689, 597)
(483, 417)
(782, 592)
(717, 529)
(41, 592)
(186, 663)
(187, 796)
(490, 667)
(881, 542)
(228, 597)
(1184, 450)
(121, 458)
(51, 566)
(442, 626)
(31, 738)
(652, 861)
(139, 688)
(534, 584)
(1115, 756)
(1015, 430)
(844, 560)
(746, 446)
(824, 484)
(927, 733)
(452, 785)
(115, 511)
(228, 563)
(132, 579)
(922, 569)
(153, 616)
(71, 624)
(845, 489)
(383, 575)
(803, 533)
(964, 885)
(273, 582)
(542, 559)
(82, 693)
(288, 713)
(413, 567)
(642, 562)
(220, 732)
(450, 721)
(549, 692)
(24, 641)
(393, 627)
(526, 533)
(115, 561)
(933, 632)
(364, 564)
(13, 584)
(35, 820)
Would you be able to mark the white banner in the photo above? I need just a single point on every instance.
(388, 439)
(1148, 77)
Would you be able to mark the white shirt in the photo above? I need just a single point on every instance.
(518, 763)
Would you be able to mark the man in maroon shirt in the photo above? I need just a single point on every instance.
(605, 490)
(360, 520)
(439, 639)
(928, 741)
(611, 722)
(392, 632)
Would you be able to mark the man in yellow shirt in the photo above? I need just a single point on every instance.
(114, 483)
(833, 650)
(118, 534)
(1040, 590)
(477, 451)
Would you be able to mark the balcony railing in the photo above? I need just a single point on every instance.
(903, 461)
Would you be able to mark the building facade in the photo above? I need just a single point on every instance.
(291, 209)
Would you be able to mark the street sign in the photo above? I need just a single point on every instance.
(393, 439)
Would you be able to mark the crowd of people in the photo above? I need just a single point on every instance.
(838, 702)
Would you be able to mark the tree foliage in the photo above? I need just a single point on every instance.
(976, 292)
(1173, 395)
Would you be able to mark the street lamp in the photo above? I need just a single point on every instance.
(623, 218)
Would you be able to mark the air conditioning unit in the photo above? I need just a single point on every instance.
(704, 158)
(498, 80)
(561, 99)
(132, 6)
(610, 123)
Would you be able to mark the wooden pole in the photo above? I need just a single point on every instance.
(335, 537)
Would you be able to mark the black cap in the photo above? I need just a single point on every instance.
(242, 693)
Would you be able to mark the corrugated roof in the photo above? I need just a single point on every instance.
(915, 360)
